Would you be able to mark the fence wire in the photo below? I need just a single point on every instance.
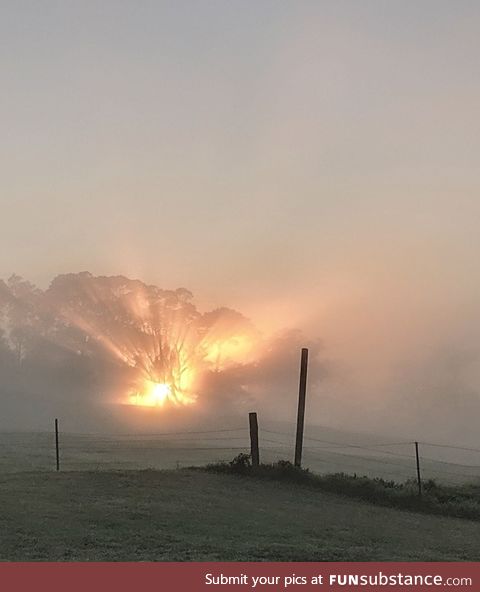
(394, 460)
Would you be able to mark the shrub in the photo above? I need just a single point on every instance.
(241, 463)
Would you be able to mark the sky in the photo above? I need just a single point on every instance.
(312, 164)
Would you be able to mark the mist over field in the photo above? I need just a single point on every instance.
(84, 348)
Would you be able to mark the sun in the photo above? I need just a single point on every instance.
(154, 394)
(159, 392)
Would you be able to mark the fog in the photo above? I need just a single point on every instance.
(300, 174)
(88, 347)
(78, 349)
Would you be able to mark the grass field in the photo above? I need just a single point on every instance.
(188, 515)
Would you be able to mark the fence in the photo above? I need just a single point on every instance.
(393, 460)
(390, 460)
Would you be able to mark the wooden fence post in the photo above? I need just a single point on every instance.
(254, 451)
(419, 478)
(302, 391)
(57, 449)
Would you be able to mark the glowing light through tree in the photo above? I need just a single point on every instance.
(158, 334)
(97, 341)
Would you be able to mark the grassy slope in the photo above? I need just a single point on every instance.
(191, 515)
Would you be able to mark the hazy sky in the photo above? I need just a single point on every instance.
(310, 163)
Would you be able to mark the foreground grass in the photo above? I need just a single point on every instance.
(200, 516)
